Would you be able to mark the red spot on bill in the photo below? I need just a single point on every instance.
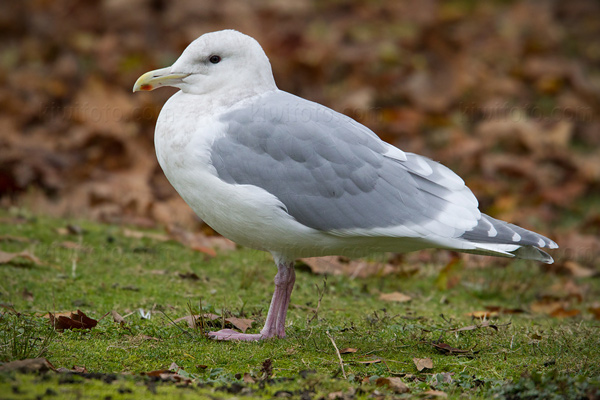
(146, 87)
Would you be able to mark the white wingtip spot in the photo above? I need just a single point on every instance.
(516, 237)
(541, 243)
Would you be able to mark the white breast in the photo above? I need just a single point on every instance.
(246, 214)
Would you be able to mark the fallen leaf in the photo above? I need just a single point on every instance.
(76, 320)
(554, 306)
(577, 270)
(447, 349)
(368, 362)
(338, 265)
(157, 373)
(10, 238)
(482, 314)
(199, 241)
(247, 378)
(118, 318)
(394, 384)
(189, 275)
(241, 323)
(564, 313)
(193, 320)
(596, 311)
(503, 310)
(484, 324)
(422, 363)
(348, 350)
(76, 369)
(28, 365)
(395, 296)
(6, 258)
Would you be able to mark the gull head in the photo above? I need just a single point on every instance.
(218, 62)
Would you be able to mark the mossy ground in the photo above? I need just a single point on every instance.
(528, 355)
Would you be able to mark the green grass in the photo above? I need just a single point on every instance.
(528, 355)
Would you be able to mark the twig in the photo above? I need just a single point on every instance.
(173, 323)
(338, 354)
(321, 294)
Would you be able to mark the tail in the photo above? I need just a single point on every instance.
(494, 237)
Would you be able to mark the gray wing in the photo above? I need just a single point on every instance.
(333, 174)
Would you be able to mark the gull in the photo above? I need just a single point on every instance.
(275, 172)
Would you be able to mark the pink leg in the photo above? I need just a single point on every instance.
(275, 323)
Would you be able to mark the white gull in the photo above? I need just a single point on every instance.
(278, 173)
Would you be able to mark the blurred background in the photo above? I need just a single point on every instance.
(506, 93)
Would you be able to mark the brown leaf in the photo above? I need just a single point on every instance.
(422, 363)
(10, 238)
(348, 350)
(393, 383)
(484, 324)
(553, 306)
(564, 313)
(577, 270)
(157, 373)
(199, 241)
(247, 378)
(395, 296)
(241, 323)
(189, 275)
(503, 310)
(368, 362)
(118, 318)
(76, 320)
(447, 349)
(6, 258)
(482, 314)
(193, 320)
(79, 369)
(28, 366)
(338, 265)
(596, 311)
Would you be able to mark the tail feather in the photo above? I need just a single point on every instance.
(495, 237)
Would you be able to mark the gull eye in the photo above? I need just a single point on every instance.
(214, 59)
